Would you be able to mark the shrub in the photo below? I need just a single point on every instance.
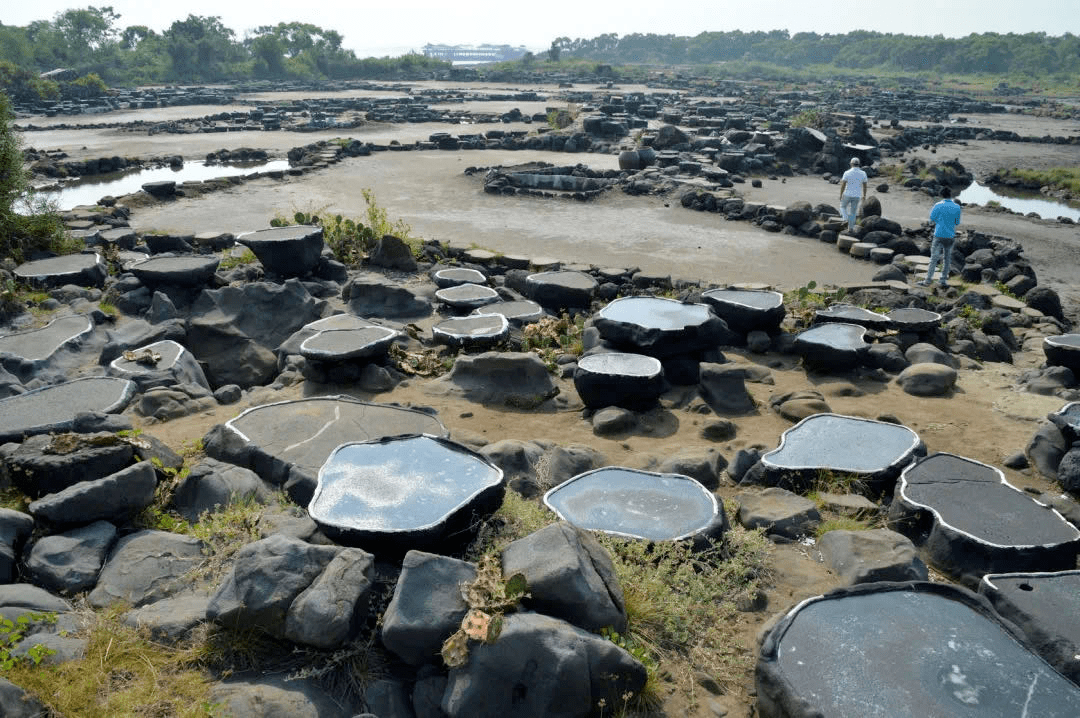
(27, 223)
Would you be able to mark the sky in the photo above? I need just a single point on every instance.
(393, 27)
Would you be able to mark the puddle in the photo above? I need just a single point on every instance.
(89, 190)
(976, 193)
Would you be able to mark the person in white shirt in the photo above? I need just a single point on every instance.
(852, 191)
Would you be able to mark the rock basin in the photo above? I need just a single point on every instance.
(1063, 350)
(403, 492)
(638, 504)
(904, 649)
(632, 381)
(53, 408)
(873, 452)
(833, 346)
(661, 327)
(970, 521)
(851, 314)
(286, 251)
(745, 310)
(467, 296)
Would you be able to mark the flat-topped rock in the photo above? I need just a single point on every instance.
(518, 313)
(336, 321)
(561, 289)
(632, 381)
(403, 492)
(851, 314)
(467, 296)
(662, 327)
(833, 346)
(639, 504)
(454, 276)
(873, 451)
(745, 310)
(1067, 418)
(978, 522)
(1044, 606)
(348, 344)
(913, 319)
(904, 649)
(53, 408)
(291, 251)
(287, 442)
(26, 352)
(181, 271)
(162, 363)
(1063, 350)
(474, 331)
(86, 269)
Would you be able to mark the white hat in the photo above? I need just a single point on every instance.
(855, 162)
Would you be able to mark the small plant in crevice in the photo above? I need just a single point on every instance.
(550, 337)
(12, 634)
(350, 239)
(804, 301)
(489, 598)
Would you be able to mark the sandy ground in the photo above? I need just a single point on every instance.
(986, 418)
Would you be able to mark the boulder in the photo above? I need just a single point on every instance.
(117, 496)
(569, 575)
(266, 577)
(427, 606)
(541, 667)
(390, 252)
(69, 562)
(145, 567)
(868, 556)
(927, 379)
(328, 611)
(778, 511)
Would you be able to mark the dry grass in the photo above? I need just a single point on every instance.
(123, 673)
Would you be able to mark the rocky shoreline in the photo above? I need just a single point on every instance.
(710, 410)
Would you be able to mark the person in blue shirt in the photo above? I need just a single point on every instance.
(946, 216)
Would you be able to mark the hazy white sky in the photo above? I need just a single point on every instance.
(389, 27)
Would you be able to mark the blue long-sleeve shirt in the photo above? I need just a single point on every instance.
(945, 215)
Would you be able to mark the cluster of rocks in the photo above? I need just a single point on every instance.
(192, 336)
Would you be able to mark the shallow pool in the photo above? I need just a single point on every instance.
(976, 193)
(89, 190)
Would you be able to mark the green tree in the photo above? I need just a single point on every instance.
(25, 226)
(554, 51)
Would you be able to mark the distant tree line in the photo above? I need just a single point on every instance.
(92, 42)
(1033, 54)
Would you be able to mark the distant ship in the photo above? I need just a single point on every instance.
(475, 53)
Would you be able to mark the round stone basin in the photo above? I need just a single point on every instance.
(913, 319)
(520, 312)
(53, 408)
(348, 344)
(472, 330)
(832, 345)
(1063, 350)
(182, 271)
(168, 350)
(655, 313)
(850, 314)
(843, 443)
(639, 504)
(86, 268)
(38, 345)
(745, 310)
(621, 364)
(891, 650)
(291, 251)
(1067, 418)
(458, 275)
(467, 296)
(399, 484)
(561, 288)
(974, 500)
(1046, 608)
(632, 381)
